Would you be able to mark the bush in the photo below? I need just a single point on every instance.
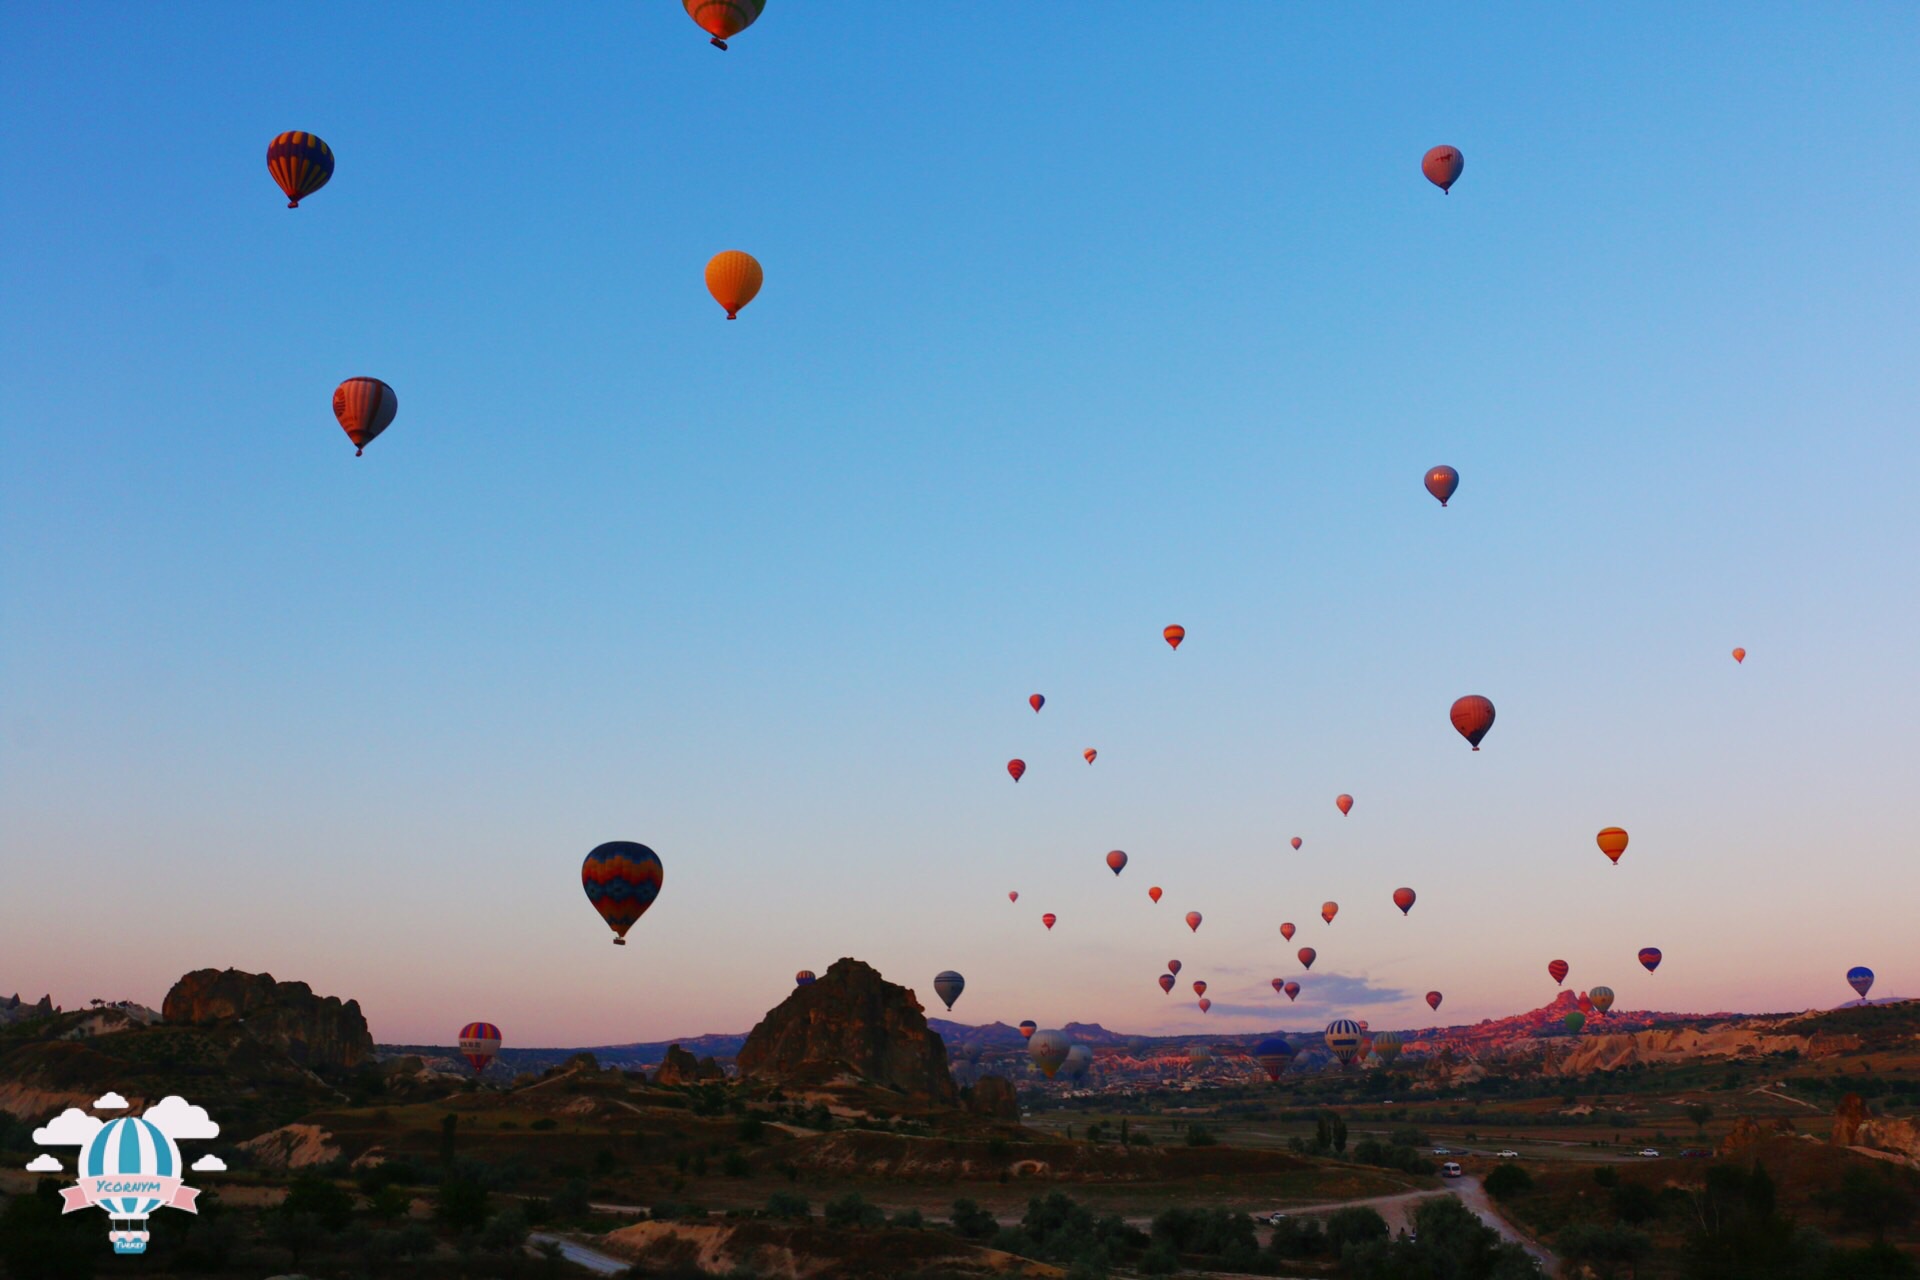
(1198, 1135)
(1354, 1225)
(852, 1210)
(329, 1204)
(1298, 1238)
(909, 1218)
(1507, 1180)
(785, 1204)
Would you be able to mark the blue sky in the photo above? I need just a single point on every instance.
(1068, 333)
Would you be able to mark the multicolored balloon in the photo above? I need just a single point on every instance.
(1650, 958)
(1287, 930)
(1273, 1054)
(1557, 970)
(1015, 768)
(1328, 910)
(1433, 1000)
(1293, 990)
(1199, 1055)
(479, 1044)
(1174, 635)
(1343, 1039)
(1443, 165)
(804, 978)
(734, 279)
(1472, 716)
(1306, 957)
(1388, 1045)
(1048, 1050)
(1027, 1029)
(1089, 753)
(622, 879)
(1154, 893)
(948, 985)
(1193, 921)
(1116, 861)
(1036, 701)
(365, 408)
(1441, 482)
(1602, 998)
(1612, 842)
(1048, 919)
(1166, 982)
(1860, 978)
(300, 163)
(724, 19)
(1403, 899)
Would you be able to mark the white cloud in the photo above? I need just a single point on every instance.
(44, 1164)
(210, 1164)
(180, 1120)
(71, 1128)
(109, 1101)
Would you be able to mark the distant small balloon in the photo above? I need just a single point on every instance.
(1116, 861)
(734, 279)
(1036, 701)
(1739, 655)
(1860, 978)
(1650, 957)
(1048, 919)
(1166, 982)
(1016, 768)
(1433, 1000)
(1387, 1044)
(948, 985)
(1199, 986)
(1584, 1001)
(1557, 970)
(1205, 1004)
(1306, 957)
(365, 408)
(1013, 895)
(1173, 966)
(1027, 1029)
(1089, 753)
(1273, 1054)
(1612, 842)
(1602, 998)
(1345, 803)
(479, 1044)
(1296, 842)
(1328, 910)
(1293, 990)
(1286, 931)
(1279, 985)
(1154, 893)
(1472, 716)
(1441, 482)
(1575, 1020)
(1174, 635)
(1443, 166)
(1403, 899)
(804, 978)
(1193, 921)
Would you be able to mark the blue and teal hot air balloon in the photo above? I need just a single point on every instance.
(134, 1150)
(621, 879)
(1343, 1038)
(1860, 978)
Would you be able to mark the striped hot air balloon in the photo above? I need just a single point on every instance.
(1036, 701)
(1650, 957)
(724, 19)
(1173, 635)
(1343, 1039)
(1612, 842)
(1557, 970)
(131, 1151)
(1388, 1045)
(1027, 1029)
(948, 985)
(734, 279)
(479, 1044)
(1602, 998)
(804, 978)
(1016, 768)
(622, 879)
(1860, 978)
(365, 408)
(301, 163)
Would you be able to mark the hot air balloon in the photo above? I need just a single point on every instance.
(1296, 843)
(1273, 1054)
(479, 1044)
(804, 978)
(1860, 978)
(1048, 1050)
(1193, 921)
(1199, 1055)
(1472, 716)
(1441, 482)
(724, 19)
(1363, 1024)
(1205, 1004)
(1027, 1029)
(365, 407)
(1442, 165)
(621, 879)
(1650, 957)
(1306, 957)
(948, 985)
(1602, 998)
(1013, 895)
(1584, 1001)
(1345, 804)
(733, 278)
(1575, 1020)
(1199, 986)
(1403, 899)
(1154, 893)
(1036, 701)
(1079, 1062)
(1293, 990)
(1116, 861)
(1343, 1038)
(1166, 982)
(1286, 930)
(1433, 1000)
(1279, 985)
(1388, 1045)
(1557, 970)
(1173, 966)
(139, 1158)
(1015, 768)
(1089, 753)
(1739, 655)
(1328, 910)
(1048, 919)
(300, 163)
(1612, 842)
(1174, 635)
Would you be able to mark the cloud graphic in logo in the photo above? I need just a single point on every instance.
(209, 1164)
(109, 1101)
(71, 1128)
(43, 1164)
(180, 1120)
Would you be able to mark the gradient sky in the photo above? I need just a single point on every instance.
(1069, 332)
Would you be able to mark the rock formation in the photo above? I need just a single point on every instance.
(681, 1067)
(1747, 1132)
(1854, 1126)
(1605, 1052)
(293, 1146)
(13, 1009)
(850, 1022)
(320, 1033)
(994, 1098)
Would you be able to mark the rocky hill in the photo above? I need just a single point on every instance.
(850, 1024)
(322, 1033)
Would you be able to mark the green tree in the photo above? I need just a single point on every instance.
(38, 1242)
(1871, 1200)
(852, 1210)
(1506, 1180)
(328, 1202)
(505, 1233)
(1353, 1225)
(1611, 1252)
(972, 1222)
(1699, 1113)
(785, 1204)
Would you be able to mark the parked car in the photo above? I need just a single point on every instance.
(1275, 1219)
(1695, 1153)
(1449, 1170)
(1649, 1151)
(1443, 1151)
(1509, 1155)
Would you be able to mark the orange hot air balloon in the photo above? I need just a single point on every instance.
(1173, 966)
(1739, 655)
(1345, 803)
(1443, 166)
(1306, 957)
(1441, 482)
(724, 19)
(1048, 919)
(1013, 895)
(1328, 910)
(1116, 861)
(1174, 635)
(1403, 899)
(1016, 768)
(1286, 931)
(1557, 970)
(1199, 986)
(1036, 701)
(1296, 842)
(1154, 893)
(1472, 716)
(1612, 842)
(1089, 753)
(365, 407)
(1433, 1000)
(1205, 1004)
(734, 278)
(1193, 921)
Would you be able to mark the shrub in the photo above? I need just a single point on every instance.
(785, 1204)
(910, 1218)
(1506, 1180)
(973, 1222)
(1354, 1225)
(853, 1210)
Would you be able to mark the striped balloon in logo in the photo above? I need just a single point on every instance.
(131, 1147)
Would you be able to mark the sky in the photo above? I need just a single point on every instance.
(1071, 330)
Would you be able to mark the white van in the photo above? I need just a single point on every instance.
(1449, 1170)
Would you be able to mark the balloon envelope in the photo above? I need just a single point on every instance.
(1739, 655)
(621, 880)
(479, 1044)
(1441, 482)
(1116, 861)
(1174, 635)
(1602, 998)
(734, 279)
(1028, 1027)
(1193, 921)
(1296, 842)
(1199, 1054)
(1154, 893)
(1293, 990)
(1472, 716)
(1328, 910)
(1287, 930)
(1015, 768)
(1557, 970)
(804, 978)
(1860, 978)
(1273, 1054)
(1403, 899)
(1089, 753)
(1048, 1050)
(1166, 982)
(1443, 166)
(1343, 1038)
(1079, 1060)
(724, 19)
(300, 163)
(1048, 919)
(1387, 1044)
(1345, 803)
(1036, 701)
(1013, 895)
(1612, 842)
(1575, 1020)
(1433, 1000)
(365, 408)
(1173, 966)
(1306, 957)
(1199, 986)
(1650, 957)
(1205, 1004)
(948, 985)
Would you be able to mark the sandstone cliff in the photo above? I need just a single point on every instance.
(1607, 1052)
(850, 1022)
(994, 1098)
(1854, 1127)
(320, 1033)
(681, 1067)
